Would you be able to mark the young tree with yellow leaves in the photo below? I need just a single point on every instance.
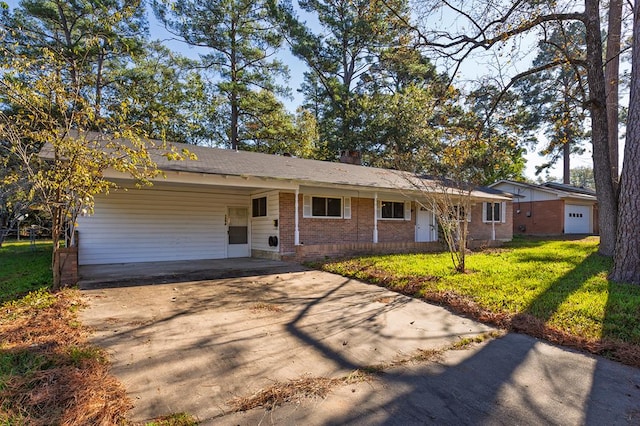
(62, 140)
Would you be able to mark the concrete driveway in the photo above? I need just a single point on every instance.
(193, 346)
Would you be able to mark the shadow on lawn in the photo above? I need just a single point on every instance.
(620, 319)
(548, 302)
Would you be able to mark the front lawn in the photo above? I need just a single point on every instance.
(24, 268)
(552, 289)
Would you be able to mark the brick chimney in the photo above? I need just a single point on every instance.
(349, 156)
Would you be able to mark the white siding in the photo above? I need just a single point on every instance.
(156, 225)
(525, 193)
(263, 227)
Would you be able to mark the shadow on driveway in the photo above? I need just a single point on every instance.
(146, 273)
(193, 346)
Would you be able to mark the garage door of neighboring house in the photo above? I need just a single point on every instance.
(153, 225)
(577, 219)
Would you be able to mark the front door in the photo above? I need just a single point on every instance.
(238, 232)
(426, 229)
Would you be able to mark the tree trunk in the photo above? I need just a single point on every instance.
(607, 199)
(612, 70)
(56, 268)
(234, 121)
(56, 227)
(626, 265)
(566, 160)
(233, 71)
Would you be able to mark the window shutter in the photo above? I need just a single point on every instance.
(407, 210)
(484, 212)
(306, 206)
(503, 212)
(379, 209)
(347, 207)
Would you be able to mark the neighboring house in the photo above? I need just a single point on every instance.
(551, 208)
(231, 204)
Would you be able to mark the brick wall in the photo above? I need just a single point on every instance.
(286, 222)
(397, 230)
(320, 237)
(538, 217)
(359, 228)
(324, 251)
(479, 230)
(315, 231)
(329, 231)
(67, 258)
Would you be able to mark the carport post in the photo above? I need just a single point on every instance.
(296, 232)
(375, 217)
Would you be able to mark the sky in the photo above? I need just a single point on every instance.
(471, 69)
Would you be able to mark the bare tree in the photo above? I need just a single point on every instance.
(482, 26)
(451, 204)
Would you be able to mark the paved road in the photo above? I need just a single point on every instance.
(193, 346)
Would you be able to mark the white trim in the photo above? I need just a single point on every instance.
(306, 206)
(296, 220)
(503, 212)
(375, 217)
(346, 208)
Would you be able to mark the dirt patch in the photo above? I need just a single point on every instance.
(385, 300)
(268, 307)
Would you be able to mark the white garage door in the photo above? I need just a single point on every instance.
(577, 219)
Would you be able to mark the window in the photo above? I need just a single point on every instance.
(259, 207)
(493, 212)
(458, 212)
(392, 210)
(326, 207)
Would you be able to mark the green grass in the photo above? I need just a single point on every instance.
(562, 283)
(176, 419)
(24, 268)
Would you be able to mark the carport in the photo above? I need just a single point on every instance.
(142, 273)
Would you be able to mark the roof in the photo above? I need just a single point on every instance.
(560, 189)
(227, 162)
(569, 188)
